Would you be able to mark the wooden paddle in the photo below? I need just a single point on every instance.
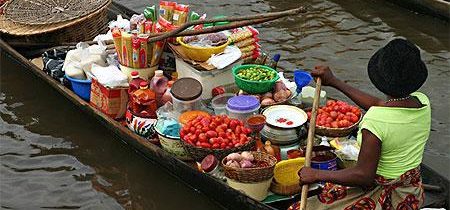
(310, 140)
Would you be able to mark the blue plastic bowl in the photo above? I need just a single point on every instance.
(81, 87)
(301, 78)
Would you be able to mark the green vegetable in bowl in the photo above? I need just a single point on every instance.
(256, 74)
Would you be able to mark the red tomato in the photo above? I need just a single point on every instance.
(238, 130)
(333, 114)
(334, 124)
(198, 131)
(215, 146)
(227, 120)
(193, 138)
(219, 129)
(247, 130)
(205, 129)
(223, 145)
(330, 102)
(346, 117)
(328, 125)
(354, 119)
(329, 120)
(234, 123)
(223, 134)
(192, 130)
(237, 145)
(340, 116)
(205, 145)
(211, 134)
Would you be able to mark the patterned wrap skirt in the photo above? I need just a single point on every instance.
(403, 193)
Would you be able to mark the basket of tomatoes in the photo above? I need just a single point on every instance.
(218, 135)
(336, 119)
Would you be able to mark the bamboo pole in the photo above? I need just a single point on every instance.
(310, 140)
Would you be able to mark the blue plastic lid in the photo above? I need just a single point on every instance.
(243, 103)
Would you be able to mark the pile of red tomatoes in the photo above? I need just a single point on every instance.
(215, 132)
(337, 114)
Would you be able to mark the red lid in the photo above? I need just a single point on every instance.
(134, 73)
(209, 163)
(143, 84)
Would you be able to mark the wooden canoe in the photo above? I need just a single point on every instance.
(215, 189)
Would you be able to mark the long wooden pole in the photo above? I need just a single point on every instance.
(239, 22)
(310, 140)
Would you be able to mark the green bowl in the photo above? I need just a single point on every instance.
(254, 87)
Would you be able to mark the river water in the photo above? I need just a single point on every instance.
(53, 156)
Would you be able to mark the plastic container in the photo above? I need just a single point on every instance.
(186, 94)
(241, 107)
(159, 85)
(208, 79)
(301, 78)
(254, 87)
(135, 82)
(256, 190)
(81, 87)
(219, 103)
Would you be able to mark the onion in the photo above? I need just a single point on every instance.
(267, 101)
(279, 85)
(246, 164)
(234, 156)
(267, 95)
(247, 156)
(232, 163)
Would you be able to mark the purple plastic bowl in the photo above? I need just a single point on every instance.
(243, 103)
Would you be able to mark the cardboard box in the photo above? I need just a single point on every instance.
(111, 101)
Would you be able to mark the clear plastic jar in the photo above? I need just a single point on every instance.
(243, 106)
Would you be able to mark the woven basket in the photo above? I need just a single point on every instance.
(335, 132)
(39, 12)
(285, 190)
(198, 153)
(251, 175)
(81, 29)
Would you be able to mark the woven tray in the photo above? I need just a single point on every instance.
(285, 190)
(251, 175)
(81, 29)
(39, 12)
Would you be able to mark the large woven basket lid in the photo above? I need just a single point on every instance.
(37, 12)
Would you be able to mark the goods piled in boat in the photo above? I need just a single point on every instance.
(235, 121)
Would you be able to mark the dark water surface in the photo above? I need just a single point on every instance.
(53, 156)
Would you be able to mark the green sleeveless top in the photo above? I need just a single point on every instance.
(403, 133)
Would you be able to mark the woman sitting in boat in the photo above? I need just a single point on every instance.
(392, 136)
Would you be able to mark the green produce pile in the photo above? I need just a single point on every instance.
(256, 74)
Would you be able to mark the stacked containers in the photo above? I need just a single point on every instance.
(243, 106)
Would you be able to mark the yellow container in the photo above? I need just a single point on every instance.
(286, 171)
(201, 53)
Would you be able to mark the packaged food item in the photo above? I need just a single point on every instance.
(150, 13)
(117, 38)
(166, 9)
(135, 19)
(148, 27)
(250, 48)
(206, 40)
(144, 101)
(127, 49)
(261, 60)
(198, 27)
(180, 14)
(246, 42)
(111, 101)
(243, 34)
(158, 46)
(136, 45)
(194, 16)
(159, 85)
(143, 50)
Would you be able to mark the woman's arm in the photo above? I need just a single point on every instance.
(361, 98)
(363, 174)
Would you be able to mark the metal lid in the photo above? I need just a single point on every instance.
(186, 89)
(243, 103)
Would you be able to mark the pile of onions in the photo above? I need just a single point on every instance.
(243, 160)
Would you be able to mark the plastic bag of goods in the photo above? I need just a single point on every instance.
(109, 76)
